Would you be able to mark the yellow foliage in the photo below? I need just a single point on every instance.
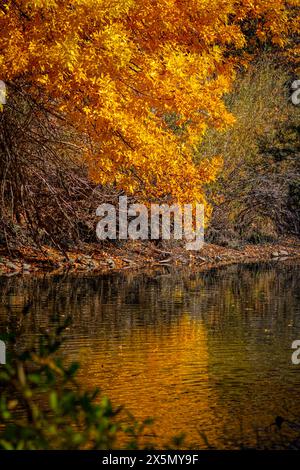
(116, 68)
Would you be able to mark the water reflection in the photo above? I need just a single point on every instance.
(208, 352)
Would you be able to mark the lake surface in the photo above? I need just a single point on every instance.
(206, 353)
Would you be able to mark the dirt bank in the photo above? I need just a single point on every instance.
(139, 256)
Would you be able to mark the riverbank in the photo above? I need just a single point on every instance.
(137, 255)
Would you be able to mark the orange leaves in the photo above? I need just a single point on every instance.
(116, 68)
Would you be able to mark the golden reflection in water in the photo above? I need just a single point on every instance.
(164, 375)
(198, 353)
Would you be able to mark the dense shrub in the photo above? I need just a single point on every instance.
(255, 197)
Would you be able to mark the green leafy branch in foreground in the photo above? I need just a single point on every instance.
(42, 406)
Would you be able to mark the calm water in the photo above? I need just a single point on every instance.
(209, 352)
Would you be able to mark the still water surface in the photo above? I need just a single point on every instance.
(200, 353)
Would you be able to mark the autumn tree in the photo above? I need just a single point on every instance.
(116, 70)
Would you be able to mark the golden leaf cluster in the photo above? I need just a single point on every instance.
(116, 69)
